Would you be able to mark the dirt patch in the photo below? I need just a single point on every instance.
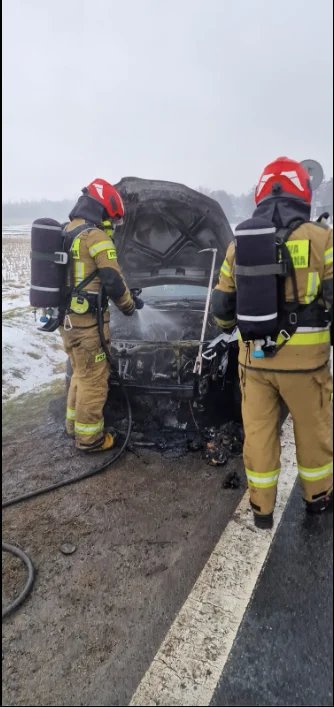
(142, 532)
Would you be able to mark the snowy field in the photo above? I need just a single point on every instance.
(30, 359)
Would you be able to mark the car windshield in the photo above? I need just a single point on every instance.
(175, 291)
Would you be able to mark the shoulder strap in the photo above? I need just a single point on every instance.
(283, 236)
(293, 309)
(71, 235)
(74, 233)
(290, 319)
(86, 281)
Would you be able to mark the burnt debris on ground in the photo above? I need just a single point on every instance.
(223, 442)
(175, 428)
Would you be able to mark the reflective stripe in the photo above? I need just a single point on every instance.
(313, 283)
(225, 268)
(70, 414)
(224, 322)
(79, 272)
(47, 228)
(45, 289)
(305, 329)
(255, 232)
(99, 248)
(262, 481)
(83, 429)
(303, 339)
(265, 318)
(316, 473)
(328, 256)
(304, 336)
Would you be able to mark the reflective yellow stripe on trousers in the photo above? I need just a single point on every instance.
(305, 336)
(89, 429)
(262, 481)
(316, 473)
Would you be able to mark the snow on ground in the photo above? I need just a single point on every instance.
(13, 231)
(30, 359)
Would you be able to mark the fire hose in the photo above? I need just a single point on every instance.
(10, 608)
(17, 552)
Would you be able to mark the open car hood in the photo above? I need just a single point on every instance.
(165, 226)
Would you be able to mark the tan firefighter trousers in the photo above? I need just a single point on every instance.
(89, 385)
(308, 397)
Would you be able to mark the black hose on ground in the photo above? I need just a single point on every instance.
(17, 552)
(67, 482)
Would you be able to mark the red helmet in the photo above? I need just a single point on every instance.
(108, 196)
(286, 178)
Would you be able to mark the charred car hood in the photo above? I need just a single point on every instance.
(165, 226)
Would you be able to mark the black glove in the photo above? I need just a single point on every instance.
(139, 303)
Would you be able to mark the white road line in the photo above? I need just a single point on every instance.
(188, 665)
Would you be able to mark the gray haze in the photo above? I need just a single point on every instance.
(204, 92)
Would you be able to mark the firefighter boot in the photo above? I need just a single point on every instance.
(108, 442)
(264, 522)
(322, 504)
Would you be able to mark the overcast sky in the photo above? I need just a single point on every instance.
(204, 92)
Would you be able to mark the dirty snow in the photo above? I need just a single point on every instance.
(30, 359)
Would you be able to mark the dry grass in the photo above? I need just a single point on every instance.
(15, 260)
(34, 355)
(30, 406)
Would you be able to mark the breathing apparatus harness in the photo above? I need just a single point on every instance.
(263, 313)
(51, 250)
(77, 300)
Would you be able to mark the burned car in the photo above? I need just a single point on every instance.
(159, 246)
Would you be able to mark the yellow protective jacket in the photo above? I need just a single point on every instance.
(93, 250)
(309, 348)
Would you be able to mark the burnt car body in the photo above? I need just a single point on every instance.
(154, 351)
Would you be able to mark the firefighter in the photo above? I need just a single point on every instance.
(297, 367)
(92, 223)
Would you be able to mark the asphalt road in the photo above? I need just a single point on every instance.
(283, 653)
